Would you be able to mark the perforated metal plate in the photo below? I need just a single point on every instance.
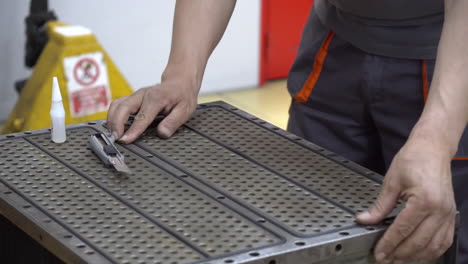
(163, 198)
(107, 225)
(293, 161)
(226, 188)
(275, 197)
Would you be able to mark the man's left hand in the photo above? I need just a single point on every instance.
(420, 175)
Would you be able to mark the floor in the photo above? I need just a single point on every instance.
(269, 102)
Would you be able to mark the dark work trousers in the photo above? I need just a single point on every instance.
(363, 106)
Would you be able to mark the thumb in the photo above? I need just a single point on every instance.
(384, 204)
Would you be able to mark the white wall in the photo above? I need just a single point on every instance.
(137, 36)
(12, 38)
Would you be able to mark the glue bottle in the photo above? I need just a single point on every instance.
(57, 114)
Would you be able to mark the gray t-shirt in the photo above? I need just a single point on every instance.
(407, 29)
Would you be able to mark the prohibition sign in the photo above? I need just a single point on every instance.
(86, 71)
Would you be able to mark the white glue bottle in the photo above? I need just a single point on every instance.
(57, 114)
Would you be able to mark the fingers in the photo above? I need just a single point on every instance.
(121, 109)
(111, 114)
(384, 204)
(436, 247)
(175, 98)
(176, 118)
(418, 241)
(403, 226)
(113, 106)
(149, 109)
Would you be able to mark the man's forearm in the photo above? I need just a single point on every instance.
(198, 27)
(446, 112)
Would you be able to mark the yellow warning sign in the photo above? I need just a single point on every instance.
(88, 79)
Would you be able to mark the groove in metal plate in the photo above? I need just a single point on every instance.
(196, 218)
(107, 225)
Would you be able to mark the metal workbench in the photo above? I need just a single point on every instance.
(226, 188)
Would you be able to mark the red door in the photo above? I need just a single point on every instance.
(282, 23)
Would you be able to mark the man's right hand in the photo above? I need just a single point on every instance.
(197, 29)
(176, 99)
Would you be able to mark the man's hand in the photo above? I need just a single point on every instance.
(420, 172)
(175, 98)
(420, 175)
(198, 27)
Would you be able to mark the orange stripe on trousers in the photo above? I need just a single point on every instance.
(303, 95)
(424, 80)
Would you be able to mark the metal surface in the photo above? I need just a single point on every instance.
(226, 188)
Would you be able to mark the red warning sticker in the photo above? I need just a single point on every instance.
(90, 100)
(86, 71)
(87, 84)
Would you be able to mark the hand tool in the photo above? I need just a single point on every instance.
(103, 146)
